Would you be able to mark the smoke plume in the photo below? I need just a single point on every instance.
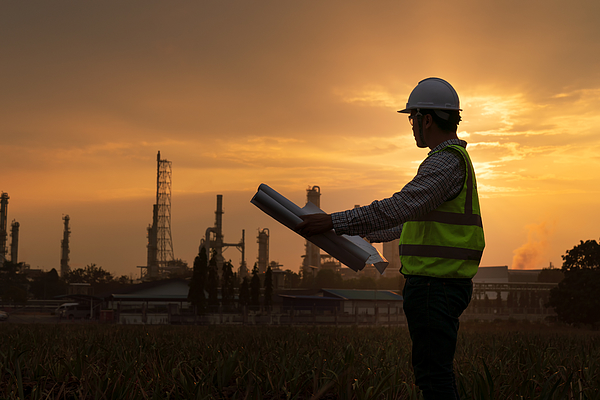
(533, 254)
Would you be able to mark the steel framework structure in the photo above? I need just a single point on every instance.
(163, 204)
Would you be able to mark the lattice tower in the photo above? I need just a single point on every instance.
(163, 203)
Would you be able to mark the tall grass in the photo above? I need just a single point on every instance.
(199, 362)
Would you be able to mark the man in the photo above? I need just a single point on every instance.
(438, 220)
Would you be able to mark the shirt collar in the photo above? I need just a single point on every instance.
(447, 143)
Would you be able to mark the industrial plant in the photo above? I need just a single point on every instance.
(161, 262)
(161, 293)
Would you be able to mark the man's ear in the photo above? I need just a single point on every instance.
(427, 121)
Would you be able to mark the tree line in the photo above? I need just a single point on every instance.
(17, 287)
(205, 285)
(575, 299)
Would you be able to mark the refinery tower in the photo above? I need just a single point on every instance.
(160, 243)
(312, 257)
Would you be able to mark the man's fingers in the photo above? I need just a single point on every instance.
(313, 224)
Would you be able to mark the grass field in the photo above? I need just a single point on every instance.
(81, 361)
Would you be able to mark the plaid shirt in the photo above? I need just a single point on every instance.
(440, 178)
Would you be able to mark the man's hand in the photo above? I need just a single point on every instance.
(314, 224)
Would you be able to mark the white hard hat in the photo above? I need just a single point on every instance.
(432, 94)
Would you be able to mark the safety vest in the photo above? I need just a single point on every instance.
(448, 242)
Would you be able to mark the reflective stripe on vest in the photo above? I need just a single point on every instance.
(447, 242)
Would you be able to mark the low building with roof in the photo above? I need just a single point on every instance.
(153, 302)
(347, 301)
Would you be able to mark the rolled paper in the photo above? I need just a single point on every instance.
(352, 251)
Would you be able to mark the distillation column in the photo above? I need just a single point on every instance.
(215, 245)
(151, 258)
(14, 242)
(3, 226)
(64, 260)
(263, 250)
(312, 258)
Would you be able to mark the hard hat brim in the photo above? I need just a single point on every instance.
(408, 110)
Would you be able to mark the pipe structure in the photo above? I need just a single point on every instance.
(152, 270)
(3, 226)
(263, 250)
(64, 260)
(213, 239)
(14, 242)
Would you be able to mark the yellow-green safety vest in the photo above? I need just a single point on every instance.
(448, 242)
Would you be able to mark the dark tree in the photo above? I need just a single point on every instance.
(364, 282)
(179, 269)
(91, 274)
(551, 275)
(291, 279)
(227, 285)
(124, 280)
(269, 288)
(255, 289)
(576, 299)
(13, 282)
(308, 278)
(98, 278)
(196, 295)
(47, 285)
(586, 255)
(213, 284)
(328, 279)
(244, 298)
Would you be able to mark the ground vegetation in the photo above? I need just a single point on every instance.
(93, 361)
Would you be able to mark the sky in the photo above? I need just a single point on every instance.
(292, 94)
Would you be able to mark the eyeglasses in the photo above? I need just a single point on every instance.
(411, 118)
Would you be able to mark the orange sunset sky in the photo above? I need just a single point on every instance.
(292, 94)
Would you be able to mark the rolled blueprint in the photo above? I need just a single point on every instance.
(353, 251)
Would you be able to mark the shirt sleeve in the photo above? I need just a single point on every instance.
(440, 177)
(385, 235)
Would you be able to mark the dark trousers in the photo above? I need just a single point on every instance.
(432, 307)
